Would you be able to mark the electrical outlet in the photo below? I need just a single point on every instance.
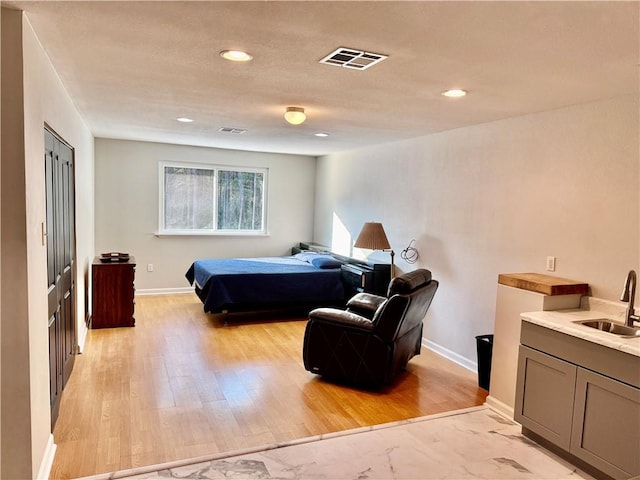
(149, 267)
(551, 264)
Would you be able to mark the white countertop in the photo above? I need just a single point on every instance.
(591, 309)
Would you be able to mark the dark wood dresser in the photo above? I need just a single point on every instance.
(113, 291)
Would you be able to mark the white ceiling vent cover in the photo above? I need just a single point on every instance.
(352, 58)
(232, 130)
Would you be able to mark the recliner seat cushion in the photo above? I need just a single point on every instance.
(365, 304)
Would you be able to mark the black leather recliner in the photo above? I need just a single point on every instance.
(371, 341)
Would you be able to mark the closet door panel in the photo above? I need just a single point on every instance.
(60, 245)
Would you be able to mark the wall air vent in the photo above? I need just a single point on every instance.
(232, 130)
(352, 58)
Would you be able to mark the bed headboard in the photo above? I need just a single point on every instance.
(310, 246)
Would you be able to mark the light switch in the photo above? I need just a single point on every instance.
(551, 264)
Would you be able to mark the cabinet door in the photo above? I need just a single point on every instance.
(544, 395)
(606, 424)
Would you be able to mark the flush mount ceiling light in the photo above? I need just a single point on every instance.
(454, 93)
(184, 120)
(321, 134)
(295, 115)
(236, 55)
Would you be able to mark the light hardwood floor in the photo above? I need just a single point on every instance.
(182, 384)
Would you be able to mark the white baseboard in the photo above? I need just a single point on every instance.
(499, 407)
(82, 336)
(450, 355)
(47, 460)
(163, 291)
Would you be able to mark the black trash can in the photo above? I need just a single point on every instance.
(484, 345)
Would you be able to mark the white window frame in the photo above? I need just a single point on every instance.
(162, 231)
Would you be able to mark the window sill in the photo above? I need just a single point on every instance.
(211, 234)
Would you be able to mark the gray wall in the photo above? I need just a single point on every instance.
(497, 198)
(126, 212)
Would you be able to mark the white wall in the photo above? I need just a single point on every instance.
(37, 97)
(498, 198)
(126, 196)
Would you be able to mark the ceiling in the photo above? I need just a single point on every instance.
(132, 68)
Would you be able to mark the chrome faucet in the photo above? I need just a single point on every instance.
(628, 295)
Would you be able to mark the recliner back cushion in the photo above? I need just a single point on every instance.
(408, 282)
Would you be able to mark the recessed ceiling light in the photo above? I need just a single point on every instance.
(455, 93)
(184, 120)
(236, 55)
(321, 134)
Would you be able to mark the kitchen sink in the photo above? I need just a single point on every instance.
(606, 325)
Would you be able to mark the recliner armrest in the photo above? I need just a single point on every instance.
(340, 317)
(365, 304)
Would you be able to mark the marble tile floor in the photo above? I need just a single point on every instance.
(474, 443)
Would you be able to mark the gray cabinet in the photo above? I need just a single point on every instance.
(589, 413)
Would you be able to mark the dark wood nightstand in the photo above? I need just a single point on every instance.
(112, 285)
(365, 278)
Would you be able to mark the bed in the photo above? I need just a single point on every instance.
(250, 284)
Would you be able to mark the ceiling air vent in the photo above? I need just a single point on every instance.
(232, 130)
(352, 58)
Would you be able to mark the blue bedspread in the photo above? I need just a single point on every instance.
(237, 282)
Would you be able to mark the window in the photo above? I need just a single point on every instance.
(206, 199)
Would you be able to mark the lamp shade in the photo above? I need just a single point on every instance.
(372, 236)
